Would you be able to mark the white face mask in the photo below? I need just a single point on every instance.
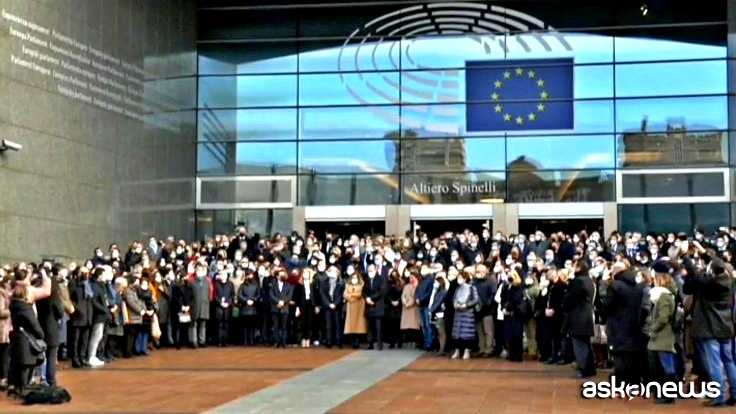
(201, 274)
(544, 283)
(332, 274)
(372, 274)
(509, 261)
(354, 280)
(424, 271)
(497, 269)
(530, 263)
(436, 285)
(460, 281)
(639, 279)
(350, 271)
(504, 277)
(451, 277)
(321, 268)
(529, 281)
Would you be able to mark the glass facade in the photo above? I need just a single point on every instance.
(444, 103)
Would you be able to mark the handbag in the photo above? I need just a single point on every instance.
(155, 328)
(184, 317)
(38, 346)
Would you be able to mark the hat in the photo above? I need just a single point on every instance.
(661, 267)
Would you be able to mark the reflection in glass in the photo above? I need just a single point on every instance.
(273, 124)
(676, 147)
(671, 78)
(697, 184)
(526, 185)
(359, 157)
(664, 114)
(239, 58)
(417, 154)
(247, 91)
(666, 218)
(250, 191)
(250, 158)
(641, 49)
(349, 89)
(562, 152)
(265, 222)
(454, 188)
(348, 122)
(349, 189)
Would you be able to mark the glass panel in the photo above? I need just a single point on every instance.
(590, 116)
(359, 157)
(252, 158)
(665, 114)
(671, 43)
(326, 56)
(525, 185)
(672, 218)
(259, 221)
(583, 47)
(349, 189)
(247, 91)
(451, 154)
(673, 185)
(562, 152)
(672, 78)
(237, 58)
(348, 122)
(349, 89)
(676, 147)
(453, 188)
(267, 191)
(247, 124)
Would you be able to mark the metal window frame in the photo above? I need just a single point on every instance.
(245, 206)
(725, 198)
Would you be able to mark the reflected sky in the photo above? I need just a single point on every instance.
(596, 80)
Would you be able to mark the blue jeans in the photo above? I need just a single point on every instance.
(426, 321)
(667, 360)
(141, 343)
(717, 356)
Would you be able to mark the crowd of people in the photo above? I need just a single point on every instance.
(643, 304)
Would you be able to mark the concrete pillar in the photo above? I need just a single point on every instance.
(298, 220)
(506, 218)
(398, 220)
(610, 218)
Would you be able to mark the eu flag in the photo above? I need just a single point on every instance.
(519, 95)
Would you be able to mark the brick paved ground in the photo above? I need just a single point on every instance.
(179, 381)
(439, 385)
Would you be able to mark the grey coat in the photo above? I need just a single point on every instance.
(134, 306)
(201, 294)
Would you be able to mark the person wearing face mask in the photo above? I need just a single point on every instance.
(423, 293)
(147, 296)
(375, 294)
(202, 294)
(578, 308)
(621, 304)
(99, 258)
(320, 277)
(281, 293)
(80, 292)
(410, 325)
(463, 328)
(392, 326)
(133, 256)
(249, 298)
(512, 304)
(153, 248)
(223, 302)
(437, 310)
(486, 288)
(330, 296)
(556, 287)
(355, 317)
(162, 287)
(452, 284)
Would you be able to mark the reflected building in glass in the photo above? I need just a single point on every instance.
(513, 114)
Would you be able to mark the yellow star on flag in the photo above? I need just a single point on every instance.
(540, 107)
(540, 83)
(544, 95)
(532, 74)
(519, 120)
(519, 71)
(532, 117)
(495, 96)
(498, 108)
(507, 75)
(497, 84)
(507, 117)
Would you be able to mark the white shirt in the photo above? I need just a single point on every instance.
(307, 290)
(281, 286)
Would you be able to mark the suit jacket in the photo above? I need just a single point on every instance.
(376, 290)
(337, 295)
(50, 310)
(283, 295)
(249, 291)
(578, 306)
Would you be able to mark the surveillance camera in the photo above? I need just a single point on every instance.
(10, 145)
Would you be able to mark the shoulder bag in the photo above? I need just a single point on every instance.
(38, 346)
